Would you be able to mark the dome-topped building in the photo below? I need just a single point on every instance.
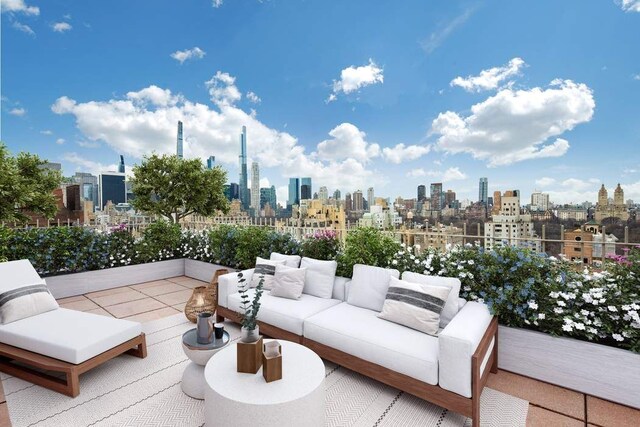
(606, 209)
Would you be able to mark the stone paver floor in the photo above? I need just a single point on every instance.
(549, 405)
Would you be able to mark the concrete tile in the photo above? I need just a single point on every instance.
(84, 304)
(134, 307)
(107, 292)
(71, 299)
(187, 281)
(5, 421)
(539, 417)
(149, 284)
(153, 315)
(118, 298)
(101, 311)
(175, 298)
(605, 413)
(179, 307)
(539, 393)
(166, 288)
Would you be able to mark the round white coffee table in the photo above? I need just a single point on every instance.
(199, 354)
(239, 400)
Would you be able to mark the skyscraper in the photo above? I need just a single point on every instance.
(305, 189)
(449, 198)
(422, 193)
(348, 205)
(255, 188)
(336, 195)
(268, 195)
(211, 162)
(88, 187)
(323, 194)
(121, 165)
(437, 196)
(357, 201)
(483, 191)
(231, 191)
(244, 191)
(294, 192)
(179, 146)
(112, 188)
(371, 199)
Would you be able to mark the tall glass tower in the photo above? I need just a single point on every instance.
(306, 190)
(294, 192)
(483, 191)
(244, 191)
(179, 142)
(121, 165)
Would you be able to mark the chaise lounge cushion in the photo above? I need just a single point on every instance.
(359, 332)
(22, 292)
(69, 335)
(283, 313)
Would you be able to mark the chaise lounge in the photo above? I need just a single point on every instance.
(449, 369)
(39, 339)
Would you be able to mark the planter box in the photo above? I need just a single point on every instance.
(598, 370)
(69, 285)
(202, 270)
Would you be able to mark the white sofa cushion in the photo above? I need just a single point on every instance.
(457, 343)
(292, 261)
(264, 269)
(288, 282)
(285, 313)
(69, 335)
(359, 332)
(369, 286)
(414, 305)
(320, 277)
(22, 292)
(228, 284)
(451, 307)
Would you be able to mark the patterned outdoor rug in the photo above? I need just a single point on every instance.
(128, 391)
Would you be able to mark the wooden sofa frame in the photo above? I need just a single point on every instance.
(469, 407)
(32, 367)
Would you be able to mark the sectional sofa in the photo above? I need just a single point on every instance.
(449, 369)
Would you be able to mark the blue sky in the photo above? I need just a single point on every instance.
(533, 95)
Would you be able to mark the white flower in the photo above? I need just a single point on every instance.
(617, 337)
(394, 262)
(579, 326)
(567, 328)
(541, 316)
(561, 303)
(533, 305)
(612, 309)
(585, 312)
(558, 310)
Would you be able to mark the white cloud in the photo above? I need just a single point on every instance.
(19, 6)
(444, 30)
(88, 144)
(60, 141)
(265, 183)
(629, 5)
(222, 89)
(636, 77)
(580, 184)
(187, 54)
(491, 78)
(545, 181)
(46, 132)
(453, 174)
(415, 173)
(216, 3)
(354, 78)
(61, 27)
(401, 153)
(23, 27)
(18, 111)
(87, 165)
(251, 96)
(516, 125)
(141, 123)
(348, 142)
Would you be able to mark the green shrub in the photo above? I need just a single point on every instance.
(323, 245)
(224, 240)
(252, 242)
(366, 246)
(160, 240)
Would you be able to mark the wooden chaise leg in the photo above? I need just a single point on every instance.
(141, 349)
(73, 383)
(494, 365)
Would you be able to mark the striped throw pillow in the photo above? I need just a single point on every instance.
(267, 269)
(414, 305)
(25, 301)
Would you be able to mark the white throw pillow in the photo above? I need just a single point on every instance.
(292, 261)
(288, 282)
(264, 268)
(451, 307)
(25, 301)
(320, 277)
(369, 285)
(417, 306)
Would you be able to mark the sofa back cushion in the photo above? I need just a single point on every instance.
(292, 261)
(22, 292)
(369, 285)
(264, 268)
(415, 305)
(451, 307)
(288, 282)
(320, 277)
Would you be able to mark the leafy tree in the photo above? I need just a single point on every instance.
(175, 187)
(25, 186)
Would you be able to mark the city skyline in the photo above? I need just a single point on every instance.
(390, 112)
